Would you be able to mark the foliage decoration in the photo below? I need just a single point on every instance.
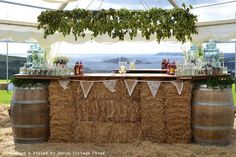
(23, 82)
(162, 23)
(217, 82)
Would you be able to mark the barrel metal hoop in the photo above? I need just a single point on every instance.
(211, 141)
(30, 102)
(213, 104)
(29, 126)
(29, 139)
(214, 89)
(212, 128)
(30, 88)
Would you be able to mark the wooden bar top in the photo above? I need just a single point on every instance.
(100, 76)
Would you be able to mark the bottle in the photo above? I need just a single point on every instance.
(168, 68)
(163, 64)
(81, 68)
(77, 68)
(172, 68)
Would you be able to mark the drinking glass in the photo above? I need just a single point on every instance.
(122, 69)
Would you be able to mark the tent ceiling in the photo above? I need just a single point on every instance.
(22, 31)
(26, 12)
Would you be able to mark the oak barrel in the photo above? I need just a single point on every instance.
(29, 114)
(212, 115)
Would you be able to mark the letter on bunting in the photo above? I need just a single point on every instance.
(64, 83)
(86, 86)
(110, 85)
(179, 86)
(154, 86)
(130, 85)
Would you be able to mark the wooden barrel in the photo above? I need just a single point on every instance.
(212, 116)
(29, 114)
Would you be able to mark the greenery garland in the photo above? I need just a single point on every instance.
(162, 23)
(23, 82)
(217, 82)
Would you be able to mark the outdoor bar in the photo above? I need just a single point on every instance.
(118, 108)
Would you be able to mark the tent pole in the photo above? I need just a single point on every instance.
(7, 61)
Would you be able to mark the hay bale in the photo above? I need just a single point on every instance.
(152, 114)
(102, 105)
(3, 86)
(106, 117)
(178, 114)
(62, 112)
(107, 132)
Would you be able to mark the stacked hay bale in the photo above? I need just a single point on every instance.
(107, 117)
(152, 114)
(178, 113)
(3, 86)
(62, 112)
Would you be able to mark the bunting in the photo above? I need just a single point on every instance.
(154, 86)
(86, 86)
(130, 85)
(179, 86)
(64, 83)
(110, 85)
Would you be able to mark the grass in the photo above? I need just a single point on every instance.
(4, 80)
(234, 94)
(5, 97)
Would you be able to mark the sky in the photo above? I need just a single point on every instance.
(20, 13)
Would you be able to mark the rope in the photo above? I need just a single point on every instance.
(101, 4)
(90, 4)
(214, 4)
(143, 4)
(152, 4)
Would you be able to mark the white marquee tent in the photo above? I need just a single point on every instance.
(18, 18)
(17, 25)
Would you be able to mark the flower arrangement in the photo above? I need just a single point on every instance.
(60, 60)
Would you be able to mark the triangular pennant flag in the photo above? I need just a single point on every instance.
(110, 85)
(64, 83)
(154, 86)
(130, 85)
(86, 86)
(179, 86)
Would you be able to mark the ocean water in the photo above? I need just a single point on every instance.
(96, 62)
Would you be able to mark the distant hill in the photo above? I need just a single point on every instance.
(124, 59)
(14, 64)
(162, 54)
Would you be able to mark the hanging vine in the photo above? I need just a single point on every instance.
(162, 23)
